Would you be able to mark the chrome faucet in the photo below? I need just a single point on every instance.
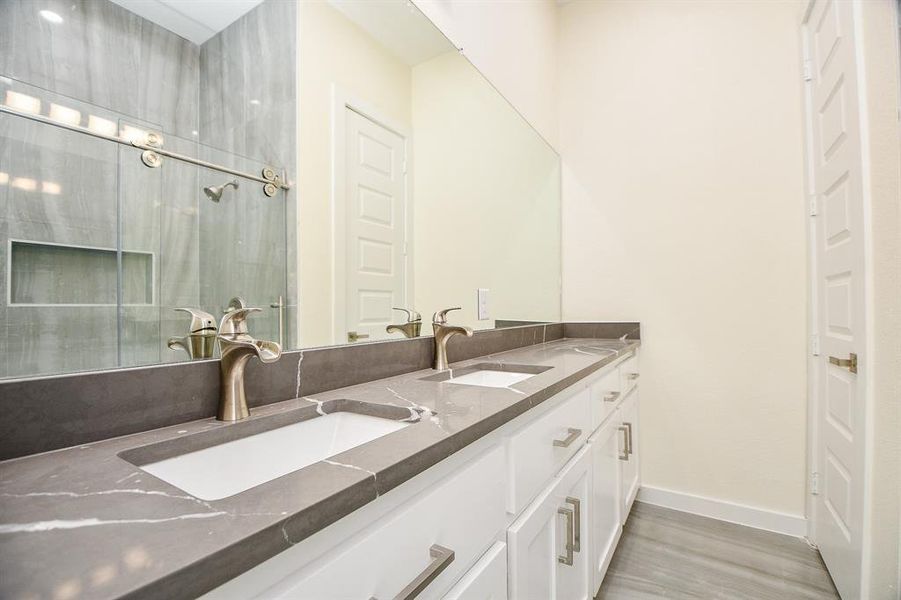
(411, 328)
(201, 338)
(236, 347)
(444, 332)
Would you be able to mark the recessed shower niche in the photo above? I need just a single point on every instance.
(56, 274)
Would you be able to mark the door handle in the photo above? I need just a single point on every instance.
(441, 558)
(567, 559)
(353, 336)
(625, 453)
(849, 363)
(628, 427)
(566, 442)
(611, 396)
(577, 522)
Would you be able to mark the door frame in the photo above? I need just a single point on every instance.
(813, 351)
(343, 100)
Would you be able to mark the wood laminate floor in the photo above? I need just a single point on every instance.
(670, 554)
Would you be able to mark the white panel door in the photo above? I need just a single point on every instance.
(836, 168)
(605, 503)
(542, 563)
(375, 215)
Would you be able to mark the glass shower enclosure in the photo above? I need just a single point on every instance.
(101, 243)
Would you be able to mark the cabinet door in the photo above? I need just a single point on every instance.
(631, 475)
(605, 502)
(548, 545)
(486, 580)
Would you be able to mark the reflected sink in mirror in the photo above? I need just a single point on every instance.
(223, 462)
(497, 375)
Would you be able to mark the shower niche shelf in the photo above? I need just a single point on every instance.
(48, 274)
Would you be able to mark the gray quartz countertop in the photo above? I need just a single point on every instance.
(83, 522)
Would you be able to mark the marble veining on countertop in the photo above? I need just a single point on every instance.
(82, 522)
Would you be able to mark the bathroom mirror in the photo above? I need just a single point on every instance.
(324, 161)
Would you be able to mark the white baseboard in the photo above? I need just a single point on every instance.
(794, 525)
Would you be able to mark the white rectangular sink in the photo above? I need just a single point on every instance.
(497, 379)
(220, 471)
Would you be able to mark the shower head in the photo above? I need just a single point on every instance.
(214, 192)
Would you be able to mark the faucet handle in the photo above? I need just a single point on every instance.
(440, 317)
(200, 321)
(234, 322)
(412, 315)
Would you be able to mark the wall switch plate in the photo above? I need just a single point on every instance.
(482, 303)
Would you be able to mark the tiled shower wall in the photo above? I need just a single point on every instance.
(105, 61)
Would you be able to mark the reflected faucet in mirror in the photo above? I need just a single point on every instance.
(236, 348)
(444, 332)
(411, 328)
(201, 338)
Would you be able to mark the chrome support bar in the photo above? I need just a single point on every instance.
(441, 558)
(625, 452)
(577, 525)
(572, 435)
(152, 152)
(567, 559)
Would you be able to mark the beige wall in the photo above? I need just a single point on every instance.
(514, 44)
(486, 200)
(681, 135)
(332, 50)
(881, 84)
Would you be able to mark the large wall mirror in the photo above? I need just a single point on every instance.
(337, 164)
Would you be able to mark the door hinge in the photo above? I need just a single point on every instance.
(814, 483)
(807, 70)
(812, 206)
(815, 344)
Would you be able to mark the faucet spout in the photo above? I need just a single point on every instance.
(236, 348)
(444, 332)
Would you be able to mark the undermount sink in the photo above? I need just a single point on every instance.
(498, 375)
(209, 468)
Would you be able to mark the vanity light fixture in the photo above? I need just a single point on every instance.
(23, 102)
(64, 114)
(25, 184)
(52, 17)
(52, 188)
(101, 125)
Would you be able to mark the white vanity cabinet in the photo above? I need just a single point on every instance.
(605, 501)
(629, 457)
(533, 510)
(548, 543)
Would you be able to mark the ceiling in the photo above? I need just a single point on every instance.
(398, 26)
(194, 20)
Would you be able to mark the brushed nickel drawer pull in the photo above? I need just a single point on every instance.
(628, 427)
(572, 435)
(611, 396)
(577, 524)
(633, 376)
(567, 559)
(625, 453)
(849, 363)
(441, 558)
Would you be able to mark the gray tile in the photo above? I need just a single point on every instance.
(670, 554)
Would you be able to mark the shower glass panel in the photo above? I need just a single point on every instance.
(97, 250)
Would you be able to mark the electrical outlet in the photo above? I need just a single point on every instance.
(482, 303)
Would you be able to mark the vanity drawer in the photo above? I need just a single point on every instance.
(605, 396)
(540, 449)
(629, 373)
(464, 514)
